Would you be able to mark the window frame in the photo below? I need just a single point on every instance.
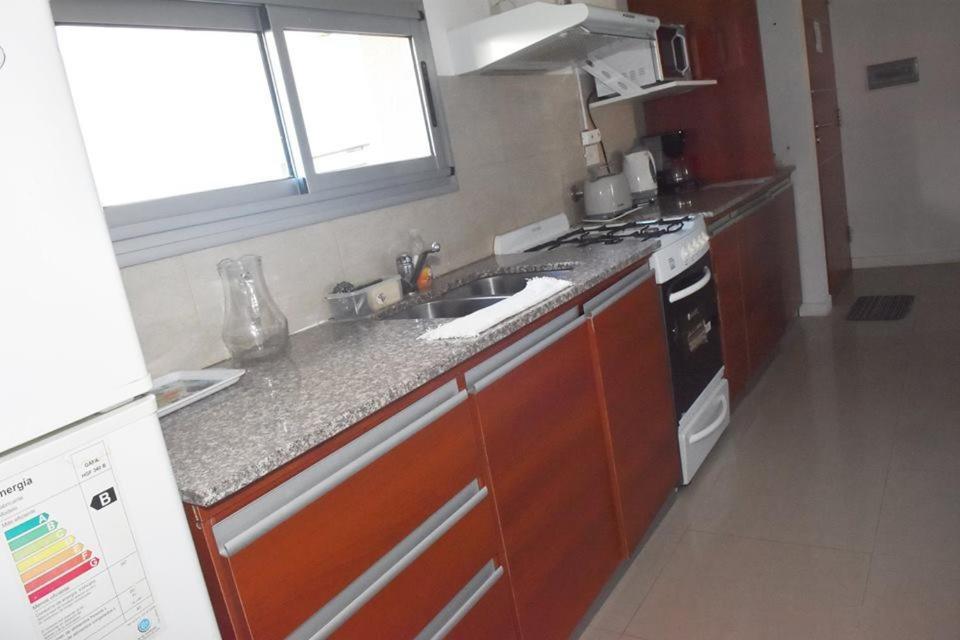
(166, 227)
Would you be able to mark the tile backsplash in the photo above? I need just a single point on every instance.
(516, 147)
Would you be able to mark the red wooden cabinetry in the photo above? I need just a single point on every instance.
(541, 420)
(725, 254)
(758, 283)
(634, 374)
(728, 124)
(762, 284)
(380, 538)
(415, 597)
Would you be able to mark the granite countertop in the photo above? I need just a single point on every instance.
(338, 373)
(717, 200)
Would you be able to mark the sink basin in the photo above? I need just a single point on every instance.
(501, 285)
(455, 308)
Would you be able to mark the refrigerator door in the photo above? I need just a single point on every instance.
(93, 537)
(68, 347)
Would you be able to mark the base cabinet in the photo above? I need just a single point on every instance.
(757, 269)
(725, 254)
(541, 420)
(388, 536)
(630, 346)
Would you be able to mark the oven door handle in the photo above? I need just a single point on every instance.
(692, 289)
(706, 433)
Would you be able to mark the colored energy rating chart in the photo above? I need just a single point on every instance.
(46, 555)
(68, 557)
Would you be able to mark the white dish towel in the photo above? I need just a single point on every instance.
(471, 326)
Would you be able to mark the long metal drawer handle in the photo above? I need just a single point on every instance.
(462, 603)
(496, 374)
(258, 518)
(706, 433)
(497, 360)
(343, 606)
(692, 289)
(617, 291)
(593, 313)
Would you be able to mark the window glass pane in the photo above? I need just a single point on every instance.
(167, 112)
(360, 96)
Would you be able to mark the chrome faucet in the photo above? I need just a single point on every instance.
(410, 268)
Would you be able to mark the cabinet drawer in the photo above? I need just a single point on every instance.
(363, 501)
(490, 617)
(420, 600)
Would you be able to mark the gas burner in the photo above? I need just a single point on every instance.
(614, 233)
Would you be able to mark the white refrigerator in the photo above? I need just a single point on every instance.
(94, 542)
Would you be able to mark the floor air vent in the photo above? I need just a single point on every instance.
(880, 308)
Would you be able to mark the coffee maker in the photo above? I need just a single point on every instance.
(668, 149)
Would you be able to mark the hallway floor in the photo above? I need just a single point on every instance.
(831, 507)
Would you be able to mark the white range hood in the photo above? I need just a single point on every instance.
(542, 36)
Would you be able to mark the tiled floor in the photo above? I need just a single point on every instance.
(831, 508)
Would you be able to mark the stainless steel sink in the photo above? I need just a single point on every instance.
(454, 308)
(502, 285)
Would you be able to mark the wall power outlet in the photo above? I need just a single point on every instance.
(590, 137)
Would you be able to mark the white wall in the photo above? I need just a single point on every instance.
(901, 145)
(791, 123)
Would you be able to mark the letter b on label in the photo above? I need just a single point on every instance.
(104, 499)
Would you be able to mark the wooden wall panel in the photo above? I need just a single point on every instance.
(729, 125)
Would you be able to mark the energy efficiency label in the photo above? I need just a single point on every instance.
(65, 531)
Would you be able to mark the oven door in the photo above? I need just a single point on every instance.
(693, 330)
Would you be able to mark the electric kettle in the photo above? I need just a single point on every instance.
(641, 172)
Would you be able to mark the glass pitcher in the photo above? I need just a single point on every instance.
(254, 328)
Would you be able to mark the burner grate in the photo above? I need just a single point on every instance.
(614, 233)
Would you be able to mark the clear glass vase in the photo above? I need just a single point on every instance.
(254, 328)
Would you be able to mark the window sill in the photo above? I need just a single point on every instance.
(141, 242)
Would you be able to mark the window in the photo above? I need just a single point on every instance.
(210, 122)
(178, 112)
(380, 116)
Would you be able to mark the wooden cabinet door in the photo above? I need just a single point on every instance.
(760, 265)
(789, 253)
(725, 254)
(633, 362)
(728, 125)
(544, 437)
(826, 117)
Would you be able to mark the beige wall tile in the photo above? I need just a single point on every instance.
(166, 317)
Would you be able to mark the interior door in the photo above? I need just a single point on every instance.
(826, 119)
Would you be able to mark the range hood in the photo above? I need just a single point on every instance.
(542, 36)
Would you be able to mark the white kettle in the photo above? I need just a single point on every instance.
(641, 172)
